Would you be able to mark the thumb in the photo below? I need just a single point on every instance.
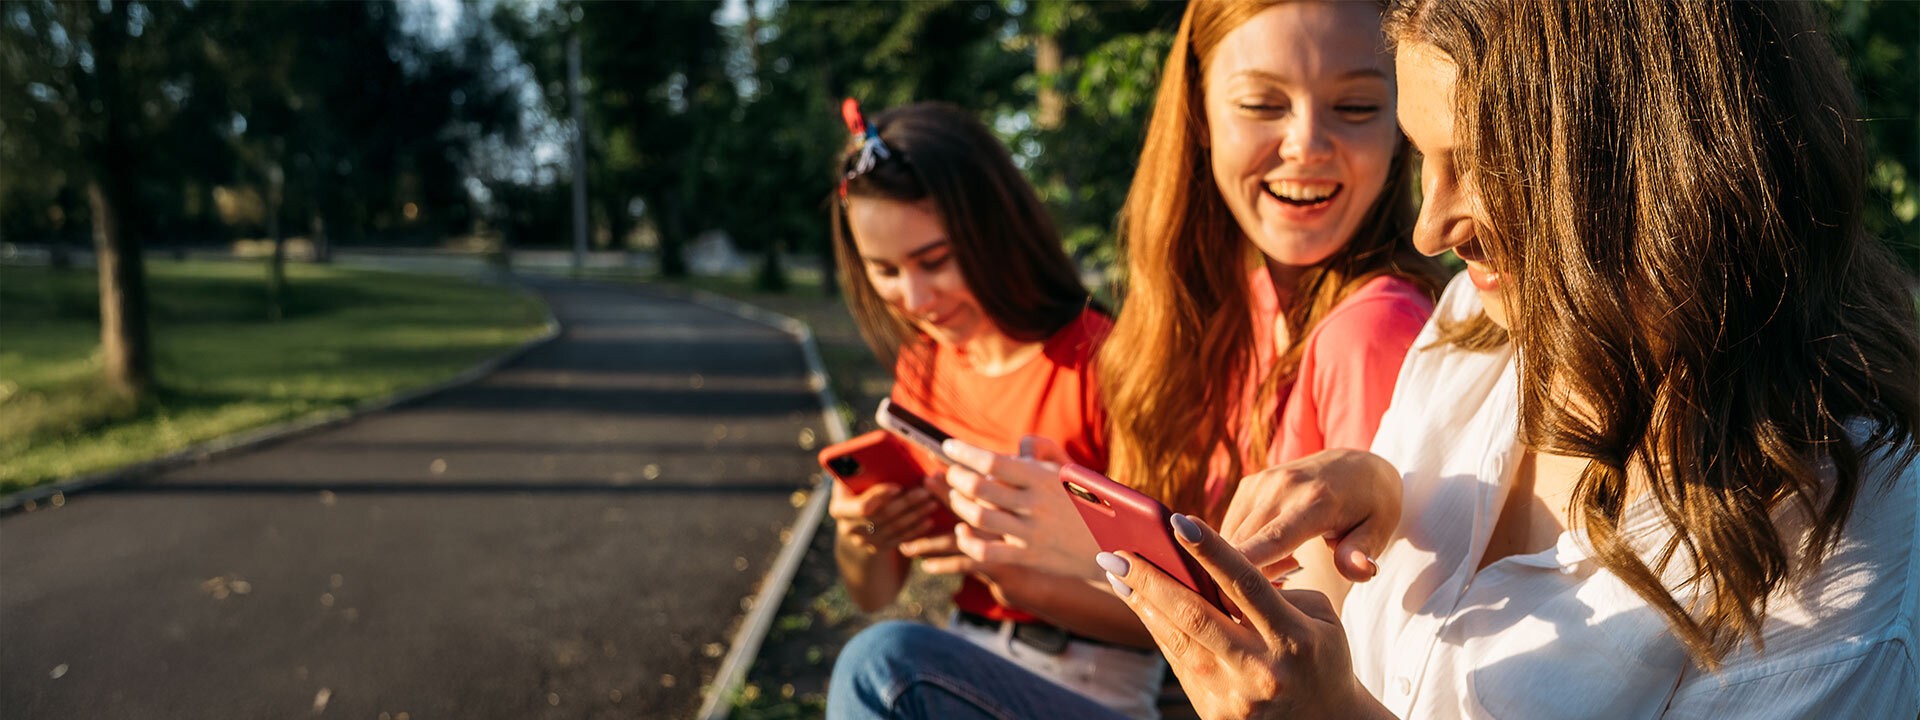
(1044, 449)
(1354, 552)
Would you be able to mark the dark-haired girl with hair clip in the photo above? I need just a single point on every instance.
(954, 272)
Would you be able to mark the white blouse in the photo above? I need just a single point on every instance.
(1552, 634)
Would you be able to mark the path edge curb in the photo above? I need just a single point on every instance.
(745, 647)
(55, 494)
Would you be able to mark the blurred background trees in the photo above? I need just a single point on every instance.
(163, 126)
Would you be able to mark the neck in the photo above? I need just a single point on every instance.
(995, 353)
(1286, 282)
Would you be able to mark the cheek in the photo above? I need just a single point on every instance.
(887, 288)
(1370, 152)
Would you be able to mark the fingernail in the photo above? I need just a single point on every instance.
(1186, 529)
(1119, 588)
(1026, 446)
(1373, 564)
(1113, 564)
(1285, 576)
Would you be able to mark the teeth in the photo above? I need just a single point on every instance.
(1305, 191)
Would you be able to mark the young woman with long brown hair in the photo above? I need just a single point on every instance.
(954, 272)
(1656, 452)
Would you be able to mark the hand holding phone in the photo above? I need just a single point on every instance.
(912, 428)
(1124, 519)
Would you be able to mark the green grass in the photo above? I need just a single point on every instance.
(346, 336)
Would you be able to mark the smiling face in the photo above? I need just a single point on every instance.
(1300, 107)
(908, 258)
(1450, 213)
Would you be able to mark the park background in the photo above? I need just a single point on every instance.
(217, 216)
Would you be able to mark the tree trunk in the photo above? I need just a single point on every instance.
(124, 338)
(673, 239)
(773, 272)
(1046, 66)
(277, 267)
(317, 235)
(125, 342)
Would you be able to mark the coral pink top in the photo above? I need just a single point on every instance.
(1347, 369)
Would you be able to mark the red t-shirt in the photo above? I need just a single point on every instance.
(1053, 396)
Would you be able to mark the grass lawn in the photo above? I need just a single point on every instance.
(347, 336)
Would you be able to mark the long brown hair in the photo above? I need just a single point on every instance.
(1678, 188)
(1183, 346)
(1005, 242)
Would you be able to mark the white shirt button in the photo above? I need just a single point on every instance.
(1402, 685)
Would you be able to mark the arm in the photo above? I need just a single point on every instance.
(1073, 603)
(868, 530)
(1351, 368)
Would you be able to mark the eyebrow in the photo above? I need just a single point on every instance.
(917, 252)
(1356, 74)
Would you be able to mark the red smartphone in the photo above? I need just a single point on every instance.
(912, 428)
(872, 458)
(1122, 518)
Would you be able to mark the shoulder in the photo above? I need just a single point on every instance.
(1076, 344)
(916, 363)
(1385, 312)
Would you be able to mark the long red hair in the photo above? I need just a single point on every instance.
(1175, 366)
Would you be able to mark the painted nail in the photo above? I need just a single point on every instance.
(1119, 588)
(1186, 529)
(1113, 564)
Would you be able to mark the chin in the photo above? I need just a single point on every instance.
(1495, 304)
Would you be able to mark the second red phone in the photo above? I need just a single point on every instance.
(1123, 519)
(872, 458)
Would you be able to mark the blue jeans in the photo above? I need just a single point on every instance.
(908, 670)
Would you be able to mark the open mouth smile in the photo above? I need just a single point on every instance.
(1304, 193)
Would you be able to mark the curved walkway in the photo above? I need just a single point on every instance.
(574, 536)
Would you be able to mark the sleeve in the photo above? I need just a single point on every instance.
(1347, 375)
(1868, 680)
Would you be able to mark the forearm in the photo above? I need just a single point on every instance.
(873, 576)
(1318, 573)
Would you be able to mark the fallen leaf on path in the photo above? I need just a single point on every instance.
(59, 671)
(320, 700)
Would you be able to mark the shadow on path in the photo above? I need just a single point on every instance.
(574, 536)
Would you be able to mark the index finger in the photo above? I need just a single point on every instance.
(1020, 473)
(1239, 578)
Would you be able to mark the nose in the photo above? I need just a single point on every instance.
(1307, 142)
(1446, 215)
(916, 291)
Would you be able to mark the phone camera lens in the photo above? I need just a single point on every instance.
(844, 466)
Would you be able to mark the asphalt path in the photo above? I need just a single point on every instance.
(574, 536)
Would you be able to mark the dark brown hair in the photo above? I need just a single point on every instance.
(1677, 190)
(1183, 347)
(1006, 245)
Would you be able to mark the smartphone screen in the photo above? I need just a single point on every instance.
(912, 427)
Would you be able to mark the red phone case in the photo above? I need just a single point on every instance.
(1122, 518)
(874, 457)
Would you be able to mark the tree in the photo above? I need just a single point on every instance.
(100, 87)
